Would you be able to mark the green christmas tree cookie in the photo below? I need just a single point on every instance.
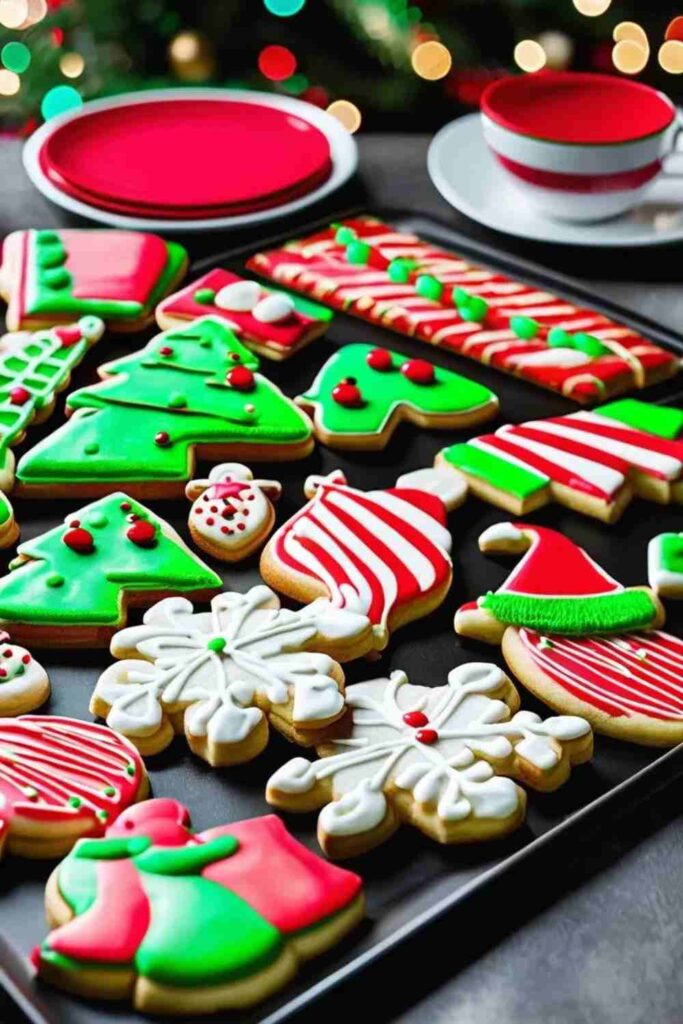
(362, 394)
(190, 392)
(72, 586)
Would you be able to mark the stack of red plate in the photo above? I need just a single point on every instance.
(190, 158)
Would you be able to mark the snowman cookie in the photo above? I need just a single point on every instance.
(232, 514)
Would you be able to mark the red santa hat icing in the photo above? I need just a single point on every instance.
(556, 588)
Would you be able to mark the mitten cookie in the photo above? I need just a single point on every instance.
(232, 514)
(24, 684)
(431, 757)
(221, 676)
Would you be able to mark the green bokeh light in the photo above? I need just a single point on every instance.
(284, 8)
(296, 84)
(59, 100)
(15, 57)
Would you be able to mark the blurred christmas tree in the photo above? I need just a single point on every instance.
(391, 63)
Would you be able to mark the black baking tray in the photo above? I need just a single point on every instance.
(413, 885)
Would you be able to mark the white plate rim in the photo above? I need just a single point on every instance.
(595, 235)
(343, 150)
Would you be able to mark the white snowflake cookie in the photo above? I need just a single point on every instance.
(437, 758)
(24, 683)
(221, 676)
(232, 513)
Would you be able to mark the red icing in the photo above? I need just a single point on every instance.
(163, 820)
(68, 336)
(379, 359)
(241, 378)
(554, 565)
(79, 540)
(225, 489)
(427, 736)
(120, 265)
(348, 394)
(19, 395)
(418, 371)
(142, 533)
(415, 719)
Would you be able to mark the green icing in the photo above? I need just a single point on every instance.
(5, 510)
(497, 472)
(621, 611)
(93, 584)
(305, 306)
(116, 421)
(671, 552)
(109, 849)
(383, 390)
(655, 419)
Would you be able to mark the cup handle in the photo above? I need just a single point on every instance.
(673, 151)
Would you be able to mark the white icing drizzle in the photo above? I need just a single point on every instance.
(500, 533)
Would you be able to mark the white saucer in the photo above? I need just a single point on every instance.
(343, 148)
(466, 174)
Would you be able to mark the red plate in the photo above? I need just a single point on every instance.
(188, 155)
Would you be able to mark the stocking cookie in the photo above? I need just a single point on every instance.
(250, 902)
(54, 277)
(362, 394)
(72, 586)
(61, 779)
(191, 392)
(24, 684)
(440, 758)
(665, 564)
(383, 552)
(275, 324)
(556, 588)
(232, 514)
(221, 676)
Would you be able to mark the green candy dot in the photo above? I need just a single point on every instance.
(399, 270)
(461, 297)
(177, 400)
(204, 296)
(590, 345)
(55, 580)
(130, 768)
(524, 327)
(56, 278)
(47, 237)
(75, 801)
(344, 236)
(428, 287)
(97, 519)
(217, 643)
(109, 791)
(358, 252)
(91, 448)
(50, 255)
(103, 815)
(545, 642)
(475, 309)
(19, 670)
(559, 338)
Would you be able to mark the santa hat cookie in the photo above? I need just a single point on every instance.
(556, 588)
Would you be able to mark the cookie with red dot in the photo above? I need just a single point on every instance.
(24, 683)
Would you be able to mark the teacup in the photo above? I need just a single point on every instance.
(579, 146)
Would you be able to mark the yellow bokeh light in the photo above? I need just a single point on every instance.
(71, 65)
(10, 83)
(431, 60)
(347, 114)
(13, 13)
(529, 55)
(633, 31)
(630, 57)
(592, 8)
(185, 47)
(671, 56)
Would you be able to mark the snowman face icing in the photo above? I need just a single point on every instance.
(231, 510)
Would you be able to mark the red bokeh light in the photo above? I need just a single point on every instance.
(276, 63)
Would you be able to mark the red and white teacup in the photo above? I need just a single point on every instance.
(580, 146)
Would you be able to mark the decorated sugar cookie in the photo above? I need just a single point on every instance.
(189, 392)
(385, 553)
(555, 588)
(275, 324)
(54, 277)
(362, 393)
(232, 513)
(250, 902)
(61, 779)
(433, 757)
(407, 284)
(34, 367)
(665, 564)
(221, 676)
(9, 528)
(593, 462)
(24, 684)
(72, 586)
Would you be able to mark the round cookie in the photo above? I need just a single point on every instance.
(24, 683)
(232, 513)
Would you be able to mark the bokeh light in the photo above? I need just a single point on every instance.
(630, 57)
(558, 49)
(71, 65)
(284, 8)
(631, 30)
(347, 114)
(670, 56)
(13, 13)
(16, 57)
(675, 29)
(431, 60)
(276, 63)
(592, 8)
(10, 83)
(186, 46)
(60, 99)
(529, 55)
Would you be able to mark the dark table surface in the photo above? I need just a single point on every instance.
(598, 940)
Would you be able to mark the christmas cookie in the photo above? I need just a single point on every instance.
(61, 779)
(593, 462)
(72, 586)
(53, 277)
(9, 528)
(629, 686)
(665, 564)
(273, 323)
(191, 392)
(395, 279)
(556, 588)
(385, 553)
(362, 394)
(33, 369)
(232, 514)
(221, 676)
(24, 684)
(250, 902)
(433, 757)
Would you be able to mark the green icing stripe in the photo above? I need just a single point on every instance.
(305, 306)
(671, 552)
(655, 419)
(506, 476)
(606, 613)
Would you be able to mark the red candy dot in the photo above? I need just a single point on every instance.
(26, 659)
(415, 719)
(79, 540)
(19, 396)
(241, 526)
(418, 371)
(165, 350)
(142, 533)
(347, 393)
(379, 359)
(427, 736)
(240, 378)
(225, 529)
(210, 521)
(162, 439)
(3, 673)
(74, 523)
(235, 356)
(125, 506)
(7, 653)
